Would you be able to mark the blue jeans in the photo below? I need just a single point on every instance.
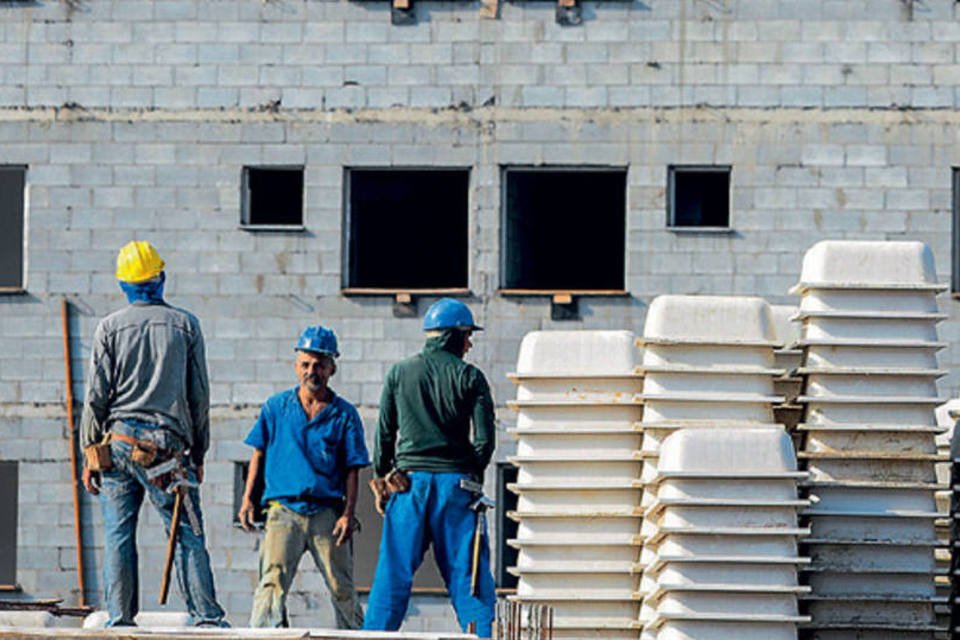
(435, 511)
(122, 489)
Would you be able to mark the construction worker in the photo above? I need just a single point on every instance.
(309, 443)
(422, 452)
(147, 403)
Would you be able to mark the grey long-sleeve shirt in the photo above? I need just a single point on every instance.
(148, 365)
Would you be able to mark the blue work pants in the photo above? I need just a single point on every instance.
(122, 489)
(434, 511)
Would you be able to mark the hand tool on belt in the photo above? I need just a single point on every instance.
(179, 485)
(479, 506)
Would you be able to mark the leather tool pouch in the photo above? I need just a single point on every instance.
(144, 453)
(97, 456)
(397, 481)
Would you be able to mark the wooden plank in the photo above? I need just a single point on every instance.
(489, 9)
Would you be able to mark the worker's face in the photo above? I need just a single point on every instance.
(314, 370)
(467, 342)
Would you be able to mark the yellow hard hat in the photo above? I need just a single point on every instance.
(138, 261)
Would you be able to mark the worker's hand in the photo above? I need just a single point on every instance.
(245, 515)
(91, 481)
(397, 481)
(378, 486)
(343, 529)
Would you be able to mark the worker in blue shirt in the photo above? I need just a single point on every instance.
(309, 443)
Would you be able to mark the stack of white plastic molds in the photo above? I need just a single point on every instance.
(869, 315)
(578, 480)
(708, 364)
(787, 357)
(723, 549)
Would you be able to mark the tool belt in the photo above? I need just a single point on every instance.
(97, 456)
(145, 453)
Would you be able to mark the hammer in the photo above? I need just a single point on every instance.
(479, 506)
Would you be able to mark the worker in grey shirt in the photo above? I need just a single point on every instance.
(147, 407)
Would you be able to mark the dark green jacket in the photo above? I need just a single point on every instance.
(426, 407)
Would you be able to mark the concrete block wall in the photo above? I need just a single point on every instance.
(135, 118)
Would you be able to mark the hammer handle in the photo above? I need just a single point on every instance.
(171, 546)
(475, 565)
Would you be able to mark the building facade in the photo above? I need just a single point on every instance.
(304, 161)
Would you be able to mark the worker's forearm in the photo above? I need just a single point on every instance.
(351, 492)
(253, 471)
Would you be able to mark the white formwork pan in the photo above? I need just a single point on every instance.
(720, 630)
(577, 444)
(702, 407)
(614, 415)
(860, 385)
(664, 353)
(845, 499)
(536, 470)
(724, 513)
(872, 527)
(856, 557)
(863, 264)
(872, 611)
(603, 498)
(905, 301)
(596, 527)
(764, 489)
(579, 352)
(824, 355)
(583, 389)
(914, 329)
(847, 584)
(745, 452)
(662, 382)
(902, 469)
(721, 319)
(891, 440)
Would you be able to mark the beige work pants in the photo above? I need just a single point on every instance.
(288, 535)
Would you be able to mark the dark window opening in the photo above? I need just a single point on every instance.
(366, 547)
(955, 235)
(564, 229)
(9, 498)
(273, 196)
(699, 197)
(506, 528)
(240, 470)
(12, 183)
(407, 228)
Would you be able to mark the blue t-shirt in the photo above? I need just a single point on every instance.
(306, 461)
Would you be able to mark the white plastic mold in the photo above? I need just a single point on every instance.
(762, 450)
(580, 352)
(865, 264)
(709, 319)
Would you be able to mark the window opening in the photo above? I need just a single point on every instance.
(366, 547)
(506, 528)
(240, 470)
(407, 228)
(564, 229)
(12, 200)
(9, 502)
(955, 236)
(272, 196)
(699, 197)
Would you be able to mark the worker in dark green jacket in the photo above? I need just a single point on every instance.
(436, 429)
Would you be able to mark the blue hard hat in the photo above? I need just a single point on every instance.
(318, 339)
(447, 313)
